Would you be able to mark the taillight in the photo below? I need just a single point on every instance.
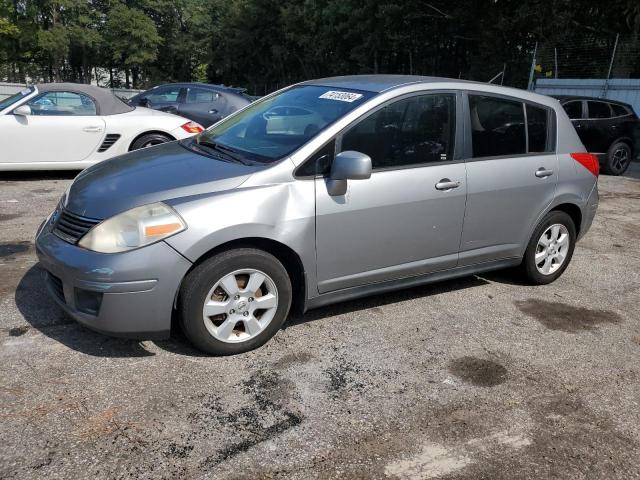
(192, 127)
(588, 161)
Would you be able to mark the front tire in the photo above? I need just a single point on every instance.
(235, 301)
(550, 248)
(618, 159)
(149, 140)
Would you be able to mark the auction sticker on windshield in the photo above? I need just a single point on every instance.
(341, 96)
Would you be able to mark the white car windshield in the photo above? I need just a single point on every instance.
(7, 102)
(271, 128)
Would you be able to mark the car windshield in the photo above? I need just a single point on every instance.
(271, 128)
(6, 102)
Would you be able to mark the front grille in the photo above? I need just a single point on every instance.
(56, 286)
(109, 140)
(71, 227)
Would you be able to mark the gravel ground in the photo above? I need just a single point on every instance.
(474, 378)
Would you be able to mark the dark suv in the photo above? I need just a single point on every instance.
(608, 128)
(200, 102)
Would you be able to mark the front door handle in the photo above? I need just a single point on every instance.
(446, 184)
(92, 129)
(543, 172)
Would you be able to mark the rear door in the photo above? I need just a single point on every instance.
(203, 106)
(400, 222)
(512, 172)
(63, 127)
(598, 126)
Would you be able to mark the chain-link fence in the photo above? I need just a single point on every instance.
(614, 56)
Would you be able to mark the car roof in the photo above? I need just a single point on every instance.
(106, 102)
(379, 83)
(584, 97)
(210, 86)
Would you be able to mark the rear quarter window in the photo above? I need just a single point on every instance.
(619, 110)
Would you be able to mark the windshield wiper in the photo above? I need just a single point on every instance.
(226, 151)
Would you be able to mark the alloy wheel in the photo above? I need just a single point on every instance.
(552, 249)
(240, 305)
(620, 159)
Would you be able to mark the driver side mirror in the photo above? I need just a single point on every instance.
(23, 110)
(348, 165)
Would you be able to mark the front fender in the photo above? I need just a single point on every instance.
(282, 212)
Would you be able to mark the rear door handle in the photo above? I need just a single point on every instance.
(543, 172)
(446, 184)
(92, 129)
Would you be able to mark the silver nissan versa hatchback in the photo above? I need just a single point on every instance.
(321, 192)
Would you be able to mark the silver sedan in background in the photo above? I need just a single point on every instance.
(394, 181)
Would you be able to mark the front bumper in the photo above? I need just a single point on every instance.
(128, 294)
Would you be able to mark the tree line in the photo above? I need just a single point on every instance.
(265, 44)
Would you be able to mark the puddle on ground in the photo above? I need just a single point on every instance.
(567, 318)
(478, 371)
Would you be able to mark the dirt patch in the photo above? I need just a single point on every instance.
(292, 359)
(478, 371)
(567, 318)
(625, 195)
(9, 249)
(267, 416)
(344, 377)
(5, 217)
(18, 331)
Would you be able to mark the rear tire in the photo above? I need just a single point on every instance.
(149, 140)
(235, 301)
(550, 249)
(618, 159)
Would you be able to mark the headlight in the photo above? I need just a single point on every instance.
(134, 228)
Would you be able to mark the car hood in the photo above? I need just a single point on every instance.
(153, 174)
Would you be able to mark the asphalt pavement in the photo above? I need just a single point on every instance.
(481, 377)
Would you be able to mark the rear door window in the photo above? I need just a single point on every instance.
(599, 110)
(497, 126)
(573, 109)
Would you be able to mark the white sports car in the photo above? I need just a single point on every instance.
(71, 126)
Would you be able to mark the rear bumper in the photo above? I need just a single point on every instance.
(128, 294)
(589, 211)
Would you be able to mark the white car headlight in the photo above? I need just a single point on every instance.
(134, 228)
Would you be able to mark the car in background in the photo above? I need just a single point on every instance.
(607, 128)
(61, 126)
(201, 102)
(325, 191)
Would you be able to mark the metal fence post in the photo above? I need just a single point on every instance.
(613, 56)
(533, 66)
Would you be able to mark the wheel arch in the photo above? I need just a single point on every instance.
(150, 132)
(625, 139)
(285, 254)
(573, 211)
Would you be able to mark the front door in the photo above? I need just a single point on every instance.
(407, 218)
(512, 172)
